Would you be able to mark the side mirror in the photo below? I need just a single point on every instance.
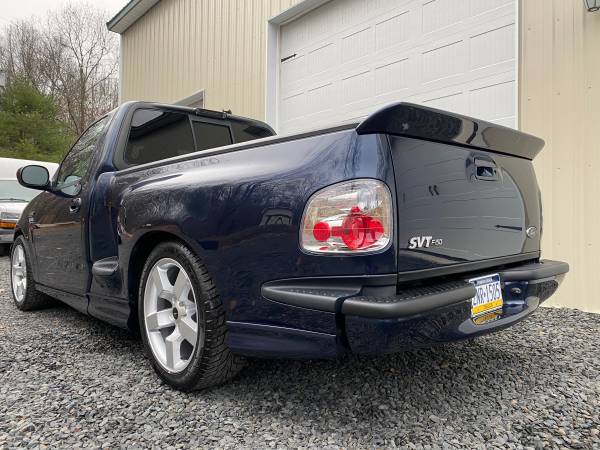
(34, 177)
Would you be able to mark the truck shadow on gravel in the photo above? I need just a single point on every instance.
(470, 368)
(467, 366)
(389, 395)
(432, 384)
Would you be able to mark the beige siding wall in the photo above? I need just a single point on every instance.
(560, 101)
(182, 46)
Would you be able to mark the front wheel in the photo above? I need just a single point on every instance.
(25, 295)
(182, 320)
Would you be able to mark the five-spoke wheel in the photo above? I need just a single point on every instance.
(170, 315)
(182, 320)
(24, 290)
(19, 273)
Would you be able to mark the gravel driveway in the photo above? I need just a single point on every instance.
(68, 380)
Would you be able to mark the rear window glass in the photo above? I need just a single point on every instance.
(246, 132)
(156, 135)
(211, 135)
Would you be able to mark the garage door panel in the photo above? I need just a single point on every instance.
(392, 77)
(294, 106)
(324, 58)
(438, 14)
(453, 100)
(451, 54)
(394, 30)
(443, 61)
(493, 46)
(483, 6)
(293, 70)
(322, 98)
(357, 87)
(494, 102)
(358, 44)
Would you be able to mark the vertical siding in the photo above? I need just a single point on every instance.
(560, 101)
(182, 46)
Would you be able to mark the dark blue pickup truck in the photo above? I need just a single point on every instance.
(217, 240)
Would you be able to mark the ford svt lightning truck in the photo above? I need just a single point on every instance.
(217, 240)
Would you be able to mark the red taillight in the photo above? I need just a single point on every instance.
(350, 217)
(322, 231)
(359, 231)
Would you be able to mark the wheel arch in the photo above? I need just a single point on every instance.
(18, 232)
(28, 248)
(136, 261)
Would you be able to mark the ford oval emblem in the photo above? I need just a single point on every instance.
(531, 232)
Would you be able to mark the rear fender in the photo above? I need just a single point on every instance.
(240, 211)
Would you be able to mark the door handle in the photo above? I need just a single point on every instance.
(485, 170)
(75, 205)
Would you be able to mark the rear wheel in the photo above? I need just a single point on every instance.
(182, 320)
(25, 295)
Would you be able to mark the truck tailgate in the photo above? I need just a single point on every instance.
(466, 189)
(457, 204)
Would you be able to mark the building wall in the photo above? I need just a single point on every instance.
(560, 102)
(182, 46)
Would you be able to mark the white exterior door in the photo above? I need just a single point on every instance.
(347, 58)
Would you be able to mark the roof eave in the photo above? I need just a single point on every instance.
(129, 14)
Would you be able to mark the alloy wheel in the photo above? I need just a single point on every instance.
(170, 315)
(19, 273)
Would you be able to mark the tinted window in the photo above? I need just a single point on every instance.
(211, 135)
(247, 132)
(156, 135)
(78, 160)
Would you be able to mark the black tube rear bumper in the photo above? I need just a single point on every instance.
(378, 297)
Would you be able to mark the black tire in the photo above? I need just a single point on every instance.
(213, 363)
(33, 299)
(4, 249)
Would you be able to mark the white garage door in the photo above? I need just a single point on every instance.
(346, 58)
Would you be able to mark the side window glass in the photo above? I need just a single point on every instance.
(245, 132)
(78, 160)
(156, 135)
(211, 135)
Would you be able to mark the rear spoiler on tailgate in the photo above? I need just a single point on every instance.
(415, 121)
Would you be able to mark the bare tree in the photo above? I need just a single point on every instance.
(81, 62)
(20, 52)
(72, 57)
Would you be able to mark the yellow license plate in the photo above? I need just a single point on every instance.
(489, 295)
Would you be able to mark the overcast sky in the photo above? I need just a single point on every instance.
(21, 9)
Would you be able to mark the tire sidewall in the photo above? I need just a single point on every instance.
(20, 242)
(181, 254)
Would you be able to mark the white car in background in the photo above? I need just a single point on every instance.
(14, 197)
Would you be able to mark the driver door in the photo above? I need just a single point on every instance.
(59, 236)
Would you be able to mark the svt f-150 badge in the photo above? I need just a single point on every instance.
(424, 242)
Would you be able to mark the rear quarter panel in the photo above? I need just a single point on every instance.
(241, 212)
